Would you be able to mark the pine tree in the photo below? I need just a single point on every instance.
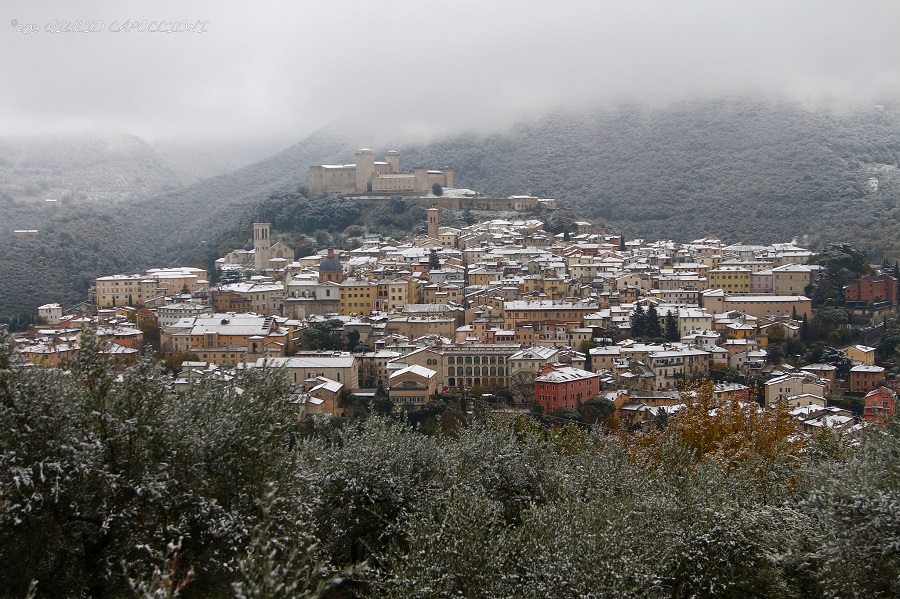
(672, 333)
(652, 328)
(638, 322)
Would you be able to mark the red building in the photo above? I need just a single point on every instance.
(872, 289)
(560, 386)
(865, 377)
(880, 405)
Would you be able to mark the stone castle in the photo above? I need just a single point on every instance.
(370, 176)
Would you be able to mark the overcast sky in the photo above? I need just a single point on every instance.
(423, 66)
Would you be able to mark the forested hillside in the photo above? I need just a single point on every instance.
(80, 241)
(744, 171)
(741, 170)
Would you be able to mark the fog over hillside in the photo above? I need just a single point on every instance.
(739, 169)
(743, 170)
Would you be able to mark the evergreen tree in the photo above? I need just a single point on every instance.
(434, 262)
(382, 402)
(672, 333)
(652, 329)
(638, 322)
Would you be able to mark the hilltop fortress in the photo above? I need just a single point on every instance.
(369, 176)
(378, 182)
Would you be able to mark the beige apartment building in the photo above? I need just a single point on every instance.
(730, 279)
(226, 339)
(793, 279)
(136, 289)
(123, 290)
(519, 311)
(470, 365)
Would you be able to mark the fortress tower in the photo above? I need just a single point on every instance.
(433, 222)
(393, 161)
(261, 246)
(365, 170)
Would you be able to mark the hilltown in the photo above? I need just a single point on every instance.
(500, 310)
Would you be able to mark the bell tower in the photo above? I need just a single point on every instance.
(261, 246)
(433, 222)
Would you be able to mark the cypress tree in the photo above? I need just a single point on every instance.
(652, 328)
(672, 333)
(638, 322)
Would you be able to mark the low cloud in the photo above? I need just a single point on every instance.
(422, 67)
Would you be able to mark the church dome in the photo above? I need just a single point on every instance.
(248, 246)
(330, 263)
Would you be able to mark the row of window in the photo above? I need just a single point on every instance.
(476, 371)
(477, 360)
(576, 383)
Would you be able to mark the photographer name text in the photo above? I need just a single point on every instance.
(126, 26)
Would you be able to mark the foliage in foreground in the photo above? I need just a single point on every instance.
(116, 485)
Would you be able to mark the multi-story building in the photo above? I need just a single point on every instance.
(730, 279)
(412, 386)
(530, 359)
(865, 377)
(862, 354)
(124, 290)
(782, 387)
(171, 313)
(303, 368)
(470, 365)
(172, 281)
(441, 294)
(226, 339)
(358, 296)
(393, 294)
(264, 298)
(136, 289)
(880, 404)
(760, 306)
(793, 279)
(872, 289)
(531, 311)
(558, 386)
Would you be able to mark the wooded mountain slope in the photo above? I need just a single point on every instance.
(80, 241)
(740, 170)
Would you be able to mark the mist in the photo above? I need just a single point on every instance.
(414, 69)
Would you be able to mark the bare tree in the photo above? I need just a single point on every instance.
(521, 384)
